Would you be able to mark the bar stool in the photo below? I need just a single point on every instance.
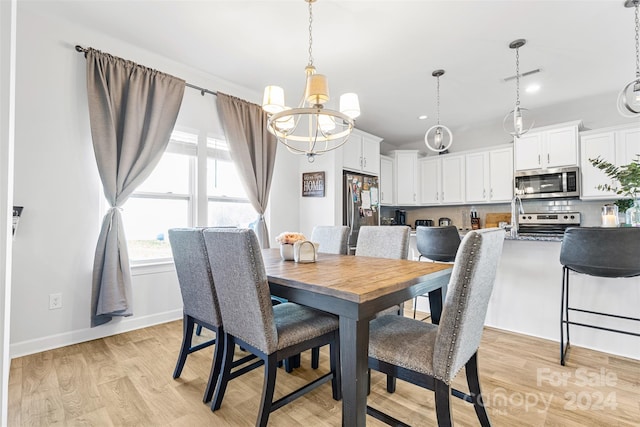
(601, 252)
(439, 244)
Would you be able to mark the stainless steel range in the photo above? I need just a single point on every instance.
(547, 222)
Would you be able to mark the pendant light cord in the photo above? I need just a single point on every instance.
(438, 98)
(637, 41)
(517, 77)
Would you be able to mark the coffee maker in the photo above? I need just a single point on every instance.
(401, 217)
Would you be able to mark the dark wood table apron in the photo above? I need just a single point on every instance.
(355, 289)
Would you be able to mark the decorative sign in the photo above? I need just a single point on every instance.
(313, 184)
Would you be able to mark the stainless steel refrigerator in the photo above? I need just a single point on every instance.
(361, 204)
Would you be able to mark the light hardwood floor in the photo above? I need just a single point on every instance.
(127, 380)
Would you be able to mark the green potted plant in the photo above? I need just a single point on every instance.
(628, 180)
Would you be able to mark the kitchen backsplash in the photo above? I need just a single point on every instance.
(460, 214)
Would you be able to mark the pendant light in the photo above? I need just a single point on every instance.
(629, 97)
(435, 137)
(516, 116)
(310, 129)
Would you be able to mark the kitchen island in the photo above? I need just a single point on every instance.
(526, 298)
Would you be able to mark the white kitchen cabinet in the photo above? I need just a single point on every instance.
(548, 147)
(442, 180)
(405, 167)
(361, 153)
(430, 179)
(618, 145)
(386, 180)
(489, 176)
(453, 179)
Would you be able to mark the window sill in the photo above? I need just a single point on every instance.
(157, 267)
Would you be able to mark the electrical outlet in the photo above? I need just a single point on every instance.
(55, 301)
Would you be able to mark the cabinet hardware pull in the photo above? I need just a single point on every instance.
(548, 158)
(365, 162)
(484, 193)
(414, 197)
(538, 158)
(437, 196)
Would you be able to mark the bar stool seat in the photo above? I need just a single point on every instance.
(600, 252)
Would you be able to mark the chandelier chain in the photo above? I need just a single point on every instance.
(310, 36)
(517, 77)
(637, 41)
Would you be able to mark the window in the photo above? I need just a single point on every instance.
(194, 184)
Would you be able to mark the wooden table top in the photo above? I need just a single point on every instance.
(352, 278)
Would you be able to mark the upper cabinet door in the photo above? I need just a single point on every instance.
(528, 151)
(386, 180)
(352, 153)
(561, 147)
(453, 179)
(406, 177)
(593, 146)
(628, 145)
(371, 155)
(501, 175)
(361, 153)
(430, 181)
(477, 172)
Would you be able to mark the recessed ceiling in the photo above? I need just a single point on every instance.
(385, 51)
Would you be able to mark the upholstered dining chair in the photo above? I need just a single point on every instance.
(438, 244)
(429, 355)
(200, 303)
(272, 333)
(385, 242)
(332, 238)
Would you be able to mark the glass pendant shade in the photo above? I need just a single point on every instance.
(629, 97)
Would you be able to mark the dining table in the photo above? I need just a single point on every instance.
(355, 288)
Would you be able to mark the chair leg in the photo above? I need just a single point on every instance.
(216, 366)
(199, 330)
(187, 335)
(334, 361)
(415, 306)
(443, 403)
(268, 387)
(471, 368)
(564, 315)
(225, 376)
(391, 384)
(315, 357)
(368, 381)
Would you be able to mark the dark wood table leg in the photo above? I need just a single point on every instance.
(354, 342)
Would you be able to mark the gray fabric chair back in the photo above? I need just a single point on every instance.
(605, 252)
(199, 298)
(390, 241)
(438, 243)
(332, 239)
(465, 307)
(241, 284)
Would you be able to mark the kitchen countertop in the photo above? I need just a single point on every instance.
(536, 237)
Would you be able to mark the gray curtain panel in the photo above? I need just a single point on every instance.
(132, 110)
(253, 150)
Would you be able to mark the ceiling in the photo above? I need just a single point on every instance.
(385, 51)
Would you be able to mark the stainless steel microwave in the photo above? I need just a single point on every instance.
(548, 183)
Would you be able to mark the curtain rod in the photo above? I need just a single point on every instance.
(202, 90)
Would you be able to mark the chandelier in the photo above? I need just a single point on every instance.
(436, 143)
(629, 97)
(310, 128)
(516, 115)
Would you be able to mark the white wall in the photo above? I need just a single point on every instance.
(7, 86)
(56, 180)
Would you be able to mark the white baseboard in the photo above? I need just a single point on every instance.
(116, 326)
